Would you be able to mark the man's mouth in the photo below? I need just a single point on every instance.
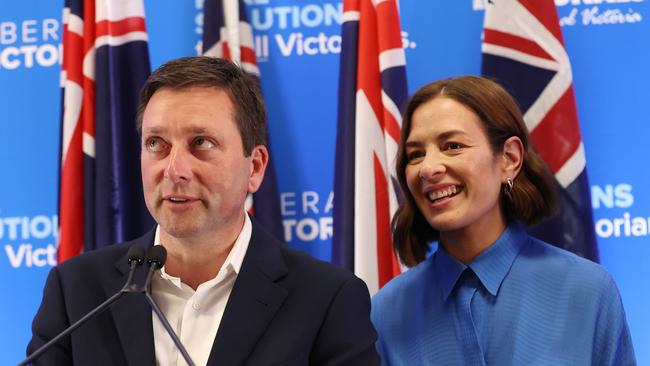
(444, 193)
(178, 199)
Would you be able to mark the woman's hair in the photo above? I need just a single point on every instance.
(532, 197)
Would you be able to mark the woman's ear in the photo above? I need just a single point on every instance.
(513, 157)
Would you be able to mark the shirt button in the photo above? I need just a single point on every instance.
(196, 305)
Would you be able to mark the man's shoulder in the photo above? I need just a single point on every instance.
(307, 265)
(101, 258)
(322, 313)
(299, 267)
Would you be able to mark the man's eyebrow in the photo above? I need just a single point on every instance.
(191, 129)
(154, 129)
(196, 129)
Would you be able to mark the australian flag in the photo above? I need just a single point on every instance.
(105, 62)
(372, 89)
(227, 34)
(524, 51)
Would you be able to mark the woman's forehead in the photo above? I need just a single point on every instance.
(444, 116)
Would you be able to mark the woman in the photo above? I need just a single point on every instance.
(490, 294)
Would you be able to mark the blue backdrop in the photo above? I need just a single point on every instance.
(298, 46)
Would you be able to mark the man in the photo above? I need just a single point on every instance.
(232, 293)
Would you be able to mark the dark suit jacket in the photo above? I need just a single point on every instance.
(285, 308)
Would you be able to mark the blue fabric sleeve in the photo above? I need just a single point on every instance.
(612, 341)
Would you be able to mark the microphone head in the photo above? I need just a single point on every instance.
(136, 253)
(156, 256)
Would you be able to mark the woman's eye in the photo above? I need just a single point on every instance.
(453, 146)
(203, 143)
(414, 155)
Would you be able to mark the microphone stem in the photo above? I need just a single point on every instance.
(74, 326)
(103, 306)
(129, 286)
(163, 320)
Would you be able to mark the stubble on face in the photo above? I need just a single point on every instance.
(195, 174)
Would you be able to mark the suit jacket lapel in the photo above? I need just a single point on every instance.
(131, 313)
(253, 302)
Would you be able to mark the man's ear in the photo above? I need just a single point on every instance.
(513, 157)
(259, 160)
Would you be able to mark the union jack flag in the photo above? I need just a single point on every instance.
(105, 62)
(228, 34)
(372, 88)
(523, 49)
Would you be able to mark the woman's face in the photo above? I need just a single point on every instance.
(451, 171)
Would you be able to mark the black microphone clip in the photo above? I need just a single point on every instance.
(136, 258)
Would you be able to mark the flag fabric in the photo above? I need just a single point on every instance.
(227, 34)
(523, 50)
(372, 89)
(105, 62)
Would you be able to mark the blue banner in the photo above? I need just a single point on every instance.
(297, 47)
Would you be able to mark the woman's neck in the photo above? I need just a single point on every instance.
(469, 242)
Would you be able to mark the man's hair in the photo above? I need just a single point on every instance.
(201, 71)
(532, 197)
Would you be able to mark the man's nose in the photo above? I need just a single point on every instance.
(178, 167)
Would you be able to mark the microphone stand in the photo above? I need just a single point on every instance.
(129, 286)
(156, 262)
(156, 259)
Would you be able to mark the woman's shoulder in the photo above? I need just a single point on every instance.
(567, 267)
(406, 285)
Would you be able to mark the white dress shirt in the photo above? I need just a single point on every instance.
(194, 315)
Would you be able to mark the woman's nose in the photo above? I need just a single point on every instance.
(432, 166)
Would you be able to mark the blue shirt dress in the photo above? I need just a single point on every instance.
(520, 302)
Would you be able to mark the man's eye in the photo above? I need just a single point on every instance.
(203, 143)
(154, 144)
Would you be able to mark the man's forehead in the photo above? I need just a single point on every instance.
(191, 109)
(193, 89)
(191, 92)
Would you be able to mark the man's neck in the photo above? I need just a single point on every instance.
(196, 260)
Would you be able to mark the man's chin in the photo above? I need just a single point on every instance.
(180, 230)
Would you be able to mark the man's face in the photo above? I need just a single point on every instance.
(194, 172)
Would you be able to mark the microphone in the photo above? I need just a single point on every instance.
(135, 257)
(156, 257)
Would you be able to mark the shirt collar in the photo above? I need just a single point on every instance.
(448, 270)
(235, 257)
(491, 266)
